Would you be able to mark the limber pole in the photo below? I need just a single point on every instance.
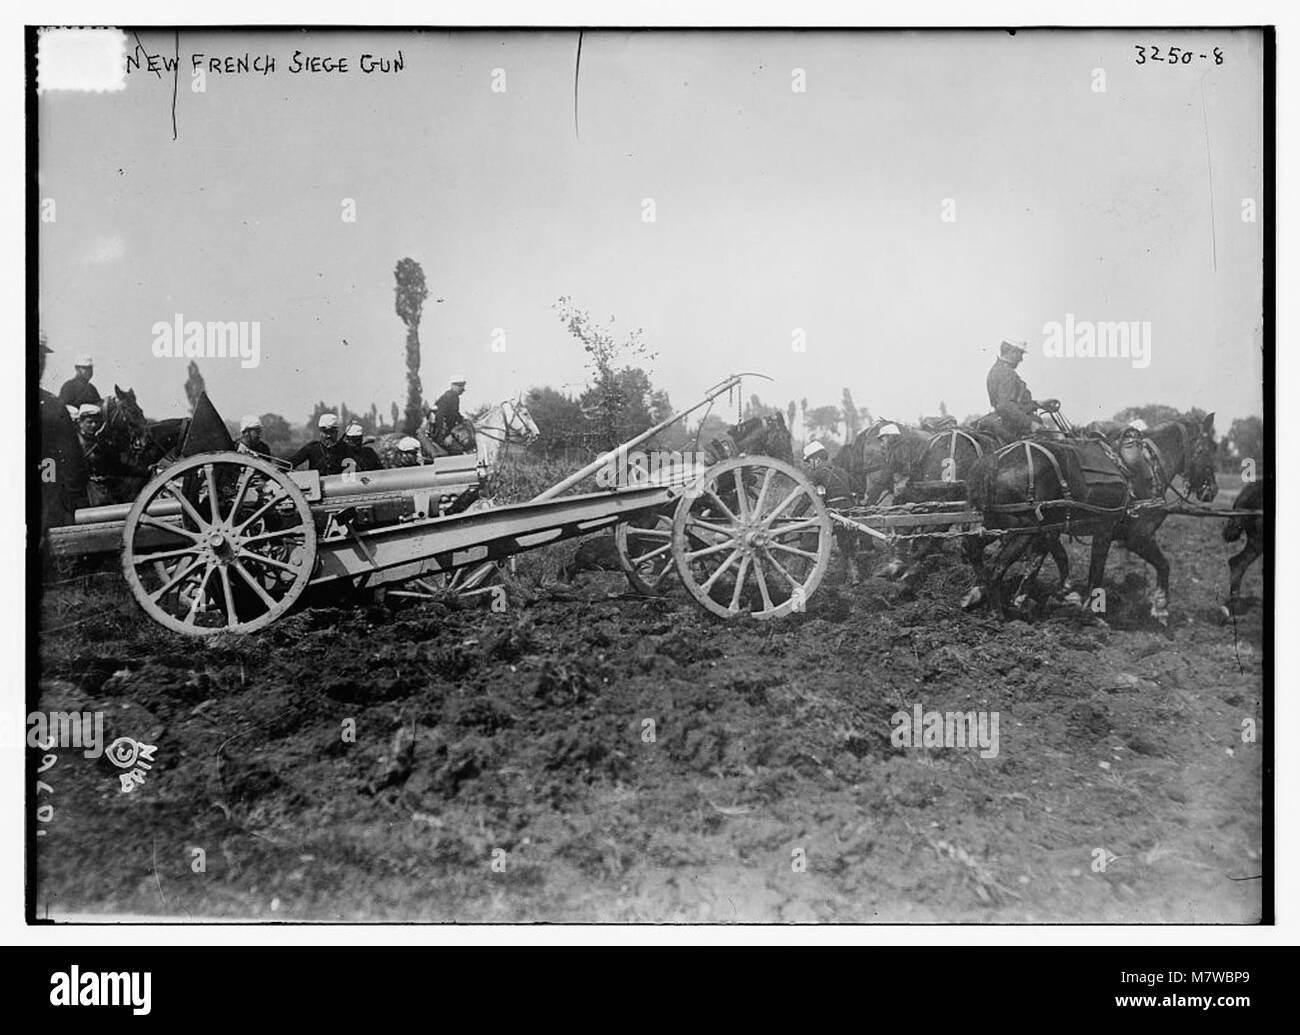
(475, 577)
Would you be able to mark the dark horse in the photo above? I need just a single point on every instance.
(136, 442)
(1085, 488)
(1252, 497)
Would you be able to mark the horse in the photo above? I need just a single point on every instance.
(1088, 489)
(134, 441)
(486, 435)
(1252, 497)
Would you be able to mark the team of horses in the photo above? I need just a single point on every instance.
(1105, 484)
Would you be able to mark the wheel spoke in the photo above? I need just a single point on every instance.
(199, 595)
(214, 503)
(709, 526)
(696, 554)
(162, 555)
(790, 549)
(762, 587)
(232, 616)
(153, 522)
(651, 555)
(742, 497)
(245, 480)
(267, 536)
(661, 534)
(186, 506)
(180, 575)
(795, 493)
(718, 571)
(258, 513)
(777, 565)
(726, 510)
(795, 526)
(269, 561)
(762, 491)
(257, 587)
(740, 583)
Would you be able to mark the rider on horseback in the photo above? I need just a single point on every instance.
(1014, 413)
(447, 416)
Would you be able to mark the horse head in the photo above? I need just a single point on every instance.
(519, 425)
(1199, 462)
(124, 425)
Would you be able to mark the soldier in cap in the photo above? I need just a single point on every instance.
(77, 390)
(408, 452)
(833, 486)
(446, 415)
(104, 468)
(364, 458)
(1015, 407)
(327, 453)
(250, 435)
(63, 467)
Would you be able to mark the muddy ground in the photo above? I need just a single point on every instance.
(504, 766)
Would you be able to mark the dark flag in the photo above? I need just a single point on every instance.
(207, 432)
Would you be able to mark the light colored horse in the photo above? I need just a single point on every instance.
(488, 433)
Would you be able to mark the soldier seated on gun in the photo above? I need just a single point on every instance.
(327, 453)
(1014, 408)
(365, 458)
(78, 389)
(250, 435)
(408, 453)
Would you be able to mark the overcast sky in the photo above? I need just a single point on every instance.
(774, 210)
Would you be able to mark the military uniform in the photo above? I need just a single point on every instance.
(446, 415)
(1009, 396)
(259, 447)
(364, 458)
(833, 484)
(327, 459)
(62, 496)
(78, 391)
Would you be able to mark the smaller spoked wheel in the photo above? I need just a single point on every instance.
(221, 542)
(752, 536)
(645, 551)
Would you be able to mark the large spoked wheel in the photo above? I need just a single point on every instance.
(645, 551)
(752, 536)
(222, 542)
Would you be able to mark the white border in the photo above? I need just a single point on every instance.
(1285, 16)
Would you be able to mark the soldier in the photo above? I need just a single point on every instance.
(104, 468)
(1009, 395)
(365, 458)
(408, 453)
(250, 435)
(327, 453)
(833, 486)
(77, 390)
(446, 415)
(63, 467)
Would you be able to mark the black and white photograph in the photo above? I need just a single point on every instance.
(648, 475)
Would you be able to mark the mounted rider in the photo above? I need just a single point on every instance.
(78, 390)
(327, 453)
(1015, 409)
(446, 416)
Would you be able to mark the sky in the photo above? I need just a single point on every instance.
(782, 217)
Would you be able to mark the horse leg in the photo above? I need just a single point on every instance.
(1062, 559)
(1038, 554)
(1237, 565)
(1146, 547)
(1097, 571)
(972, 548)
(1010, 552)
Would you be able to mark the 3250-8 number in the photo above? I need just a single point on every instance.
(1174, 55)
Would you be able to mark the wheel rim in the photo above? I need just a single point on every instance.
(240, 556)
(645, 551)
(752, 536)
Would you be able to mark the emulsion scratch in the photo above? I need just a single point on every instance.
(176, 75)
(577, 67)
(1205, 122)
